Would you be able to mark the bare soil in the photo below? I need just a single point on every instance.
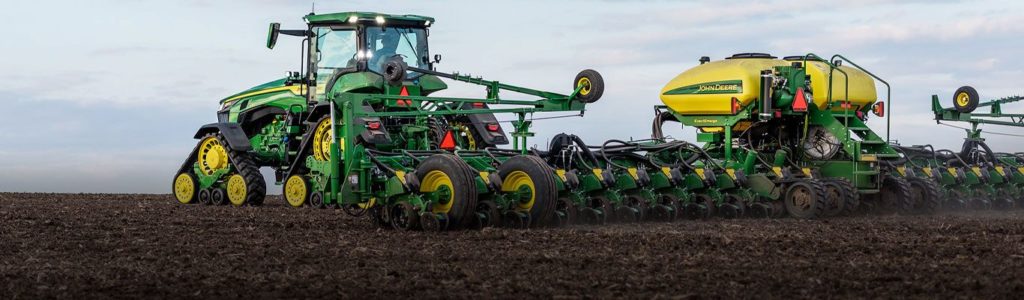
(134, 246)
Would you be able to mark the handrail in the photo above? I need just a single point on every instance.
(888, 93)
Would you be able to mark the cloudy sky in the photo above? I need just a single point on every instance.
(104, 96)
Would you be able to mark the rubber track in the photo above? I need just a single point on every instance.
(256, 187)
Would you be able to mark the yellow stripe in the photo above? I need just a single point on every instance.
(295, 89)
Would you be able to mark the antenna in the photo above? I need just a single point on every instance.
(312, 10)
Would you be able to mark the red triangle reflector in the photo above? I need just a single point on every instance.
(448, 142)
(404, 102)
(800, 101)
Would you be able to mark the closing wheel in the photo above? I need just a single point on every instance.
(638, 204)
(515, 220)
(805, 199)
(530, 184)
(433, 222)
(704, 206)
(733, 207)
(186, 188)
(672, 203)
(965, 99)
(449, 188)
(591, 86)
(627, 214)
(661, 213)
(402, 216)
(566, 211)
(926, 195)
(600, 210)
(489, 214)
(957, 200)
(760, 210)
(296, 191)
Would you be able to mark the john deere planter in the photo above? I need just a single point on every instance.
(362, 127)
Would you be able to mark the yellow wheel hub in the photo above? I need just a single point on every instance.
(322, 138)
(184, 188)
(521, 184)
(439, 182)
(585, 83)
(296, 191)
(237, 190)
(963, 99)
(212, 156)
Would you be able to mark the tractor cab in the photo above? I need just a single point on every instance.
(361, 44)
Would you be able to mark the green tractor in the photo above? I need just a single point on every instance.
(360, 128)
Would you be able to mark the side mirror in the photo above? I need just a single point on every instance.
(437, 58)
(275, 29)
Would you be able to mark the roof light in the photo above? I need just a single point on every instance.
(380, 19)
(353, 19)
(426, 23)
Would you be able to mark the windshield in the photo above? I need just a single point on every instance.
(335, 50)
(408, 43)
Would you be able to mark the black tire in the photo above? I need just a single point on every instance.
(604, 206)
(926, 195)
(965, 99)
(895, 195)
(491, 213)
(403, 217)
(316, 200)
(706, 204)
(567, 211)
(842, 197)
(204, 197)
(594, 86)
(218, 196)
(805, 199)
(545, 192)
(957, 200)
(673, 202)
(733, 207)
(463, 189)
(639, 204)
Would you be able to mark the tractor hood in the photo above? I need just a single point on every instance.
(276, 86)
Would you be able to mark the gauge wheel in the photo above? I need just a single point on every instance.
(590, 85)
(965, 99)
